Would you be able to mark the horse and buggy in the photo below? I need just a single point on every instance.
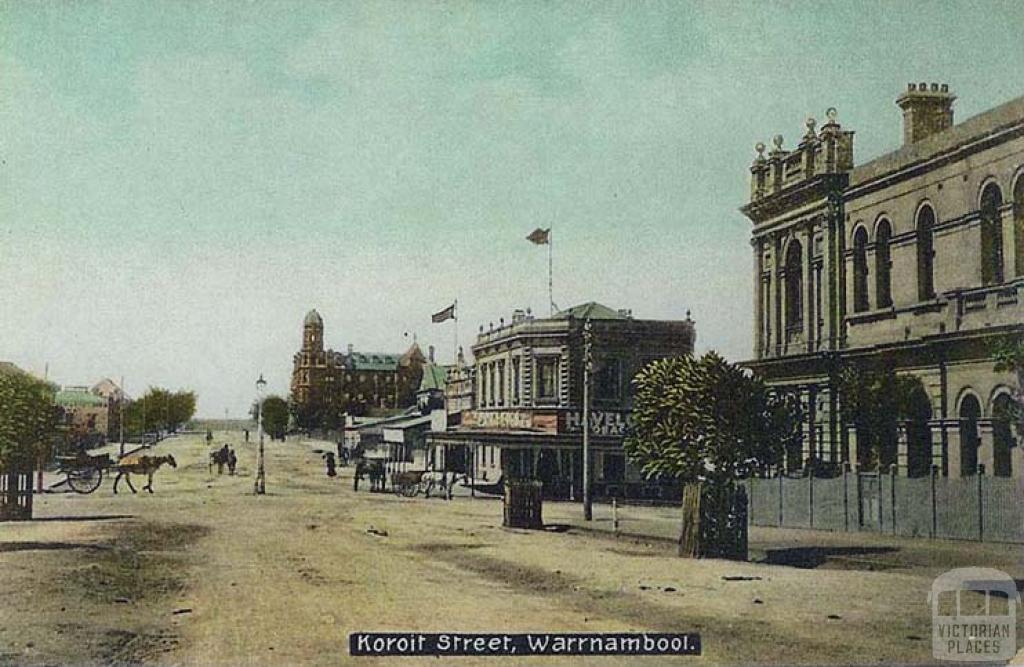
(407, 483)
(84, 472)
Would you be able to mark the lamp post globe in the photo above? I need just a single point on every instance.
(261, 479)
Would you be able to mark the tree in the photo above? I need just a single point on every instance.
(706, 419)
(1009, 357)
(275, 417)
(159, 409)
(875, 400)
(707, 423)
(30, 422)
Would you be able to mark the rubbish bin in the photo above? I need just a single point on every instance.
(523, 504)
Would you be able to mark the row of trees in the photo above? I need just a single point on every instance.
(33, 428)
(159, 410)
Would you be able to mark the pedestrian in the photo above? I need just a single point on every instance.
(232, 461)
(209, 437)
(247, 435)
(331, 470)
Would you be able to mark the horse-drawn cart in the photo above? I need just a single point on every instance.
(84, 472)
(410, 483)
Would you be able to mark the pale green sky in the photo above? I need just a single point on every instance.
(181, 181)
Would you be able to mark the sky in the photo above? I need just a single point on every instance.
(180, 182)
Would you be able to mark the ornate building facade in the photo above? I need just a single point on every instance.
(913, 261)
(327, 384)
(523, 415)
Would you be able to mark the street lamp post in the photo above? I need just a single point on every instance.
(588, 367)
(261, 477)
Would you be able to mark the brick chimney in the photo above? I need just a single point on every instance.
(927, 110)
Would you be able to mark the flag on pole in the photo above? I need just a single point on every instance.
(446, 314)
(539, 236)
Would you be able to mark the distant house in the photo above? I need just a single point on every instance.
(86, 414)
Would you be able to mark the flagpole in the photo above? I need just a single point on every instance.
(551, 298)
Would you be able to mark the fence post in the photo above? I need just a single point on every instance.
(935, 516)
(780, 496)
(981, 509)
(846, 496)
(892, 494)
(810, 497)
(615, 516)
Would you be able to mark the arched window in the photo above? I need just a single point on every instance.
(1002, 436)
(1018, 221)
(970, 412)
(991, 235)
(883, 265)
(794, 286)
(860, 270)
(925, 253)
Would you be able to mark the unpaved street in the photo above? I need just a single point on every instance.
(203, 572)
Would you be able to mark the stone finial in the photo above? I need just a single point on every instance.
(777, 142)
(759, 148)
(831, 114)
(810, 123)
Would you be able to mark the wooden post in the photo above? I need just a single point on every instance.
(981, 509)
(892, 494)
(846, 496)
(810, 496)
(935, 517)
(615, 516)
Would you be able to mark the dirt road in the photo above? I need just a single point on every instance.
(203, 572)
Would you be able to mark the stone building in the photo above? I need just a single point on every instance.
(528, 396)
(913, 261)
(327, 384)
(86, 414)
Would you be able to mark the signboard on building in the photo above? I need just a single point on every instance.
(602, 422)
(525, 420)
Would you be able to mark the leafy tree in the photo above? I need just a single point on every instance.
(704, 419)
(30, 422)
(159, 409)
(708, 423)
(875, 400)
(275, 417)
(1009, 357)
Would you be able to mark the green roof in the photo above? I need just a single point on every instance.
(373, 361)
(77, 397)
(590, 310)
(434, 377)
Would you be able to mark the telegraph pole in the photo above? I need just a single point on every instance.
(120, 418)
(260, 486)
(588, 364)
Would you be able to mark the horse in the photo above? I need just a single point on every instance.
(140, 464)
(220, 457)
(372, 469)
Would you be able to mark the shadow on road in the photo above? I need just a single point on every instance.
(6, 547)
(86, 517)
(852, 558)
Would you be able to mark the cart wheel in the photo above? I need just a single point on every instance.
(409, 490)
(85, 480)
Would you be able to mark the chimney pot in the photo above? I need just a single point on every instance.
(925, 112)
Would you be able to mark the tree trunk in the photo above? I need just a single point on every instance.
(689, 537)
(714, 523)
